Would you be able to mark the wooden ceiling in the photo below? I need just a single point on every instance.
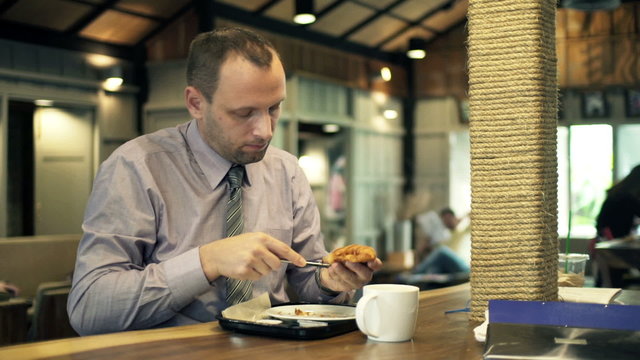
(378, 29)
(381, 28)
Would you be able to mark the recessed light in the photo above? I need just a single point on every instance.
(43, 102)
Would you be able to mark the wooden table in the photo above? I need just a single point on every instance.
(616, 254)
(438, 336)
(620, 253)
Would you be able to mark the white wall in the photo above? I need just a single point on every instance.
(165, 105)
(442, 154)
(377, 172)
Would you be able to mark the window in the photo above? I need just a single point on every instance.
(627, 149)
(585, 165)
(590, 159)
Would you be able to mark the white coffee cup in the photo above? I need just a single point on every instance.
(388, 312)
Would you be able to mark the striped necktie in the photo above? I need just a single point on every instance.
(237, 290)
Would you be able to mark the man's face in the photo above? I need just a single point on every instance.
(244, 111)
(449, 220)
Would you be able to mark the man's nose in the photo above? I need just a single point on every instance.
(264, 126)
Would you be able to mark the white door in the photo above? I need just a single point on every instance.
(63, 140)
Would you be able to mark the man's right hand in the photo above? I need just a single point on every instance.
(247, 256)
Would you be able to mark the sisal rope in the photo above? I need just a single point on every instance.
(513, 101)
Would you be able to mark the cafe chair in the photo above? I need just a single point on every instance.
(49, 319)
(13, 321)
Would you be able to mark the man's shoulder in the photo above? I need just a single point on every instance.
(279, 155)
(169, 140)
(278, 161)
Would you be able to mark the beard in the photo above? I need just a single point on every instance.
(243, 157)
(219, 141)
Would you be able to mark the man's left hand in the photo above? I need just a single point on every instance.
(349, 275)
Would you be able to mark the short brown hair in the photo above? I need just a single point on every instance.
(209, 50)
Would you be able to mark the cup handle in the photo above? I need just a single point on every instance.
(361, 307)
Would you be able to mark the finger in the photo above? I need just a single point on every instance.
(261, 267)
(349, 275)
(271, 262)
(262, 259)
(360, 274)
(375, 264)
(284, 251)
(247, 272)
(345, 275)
(335, 279)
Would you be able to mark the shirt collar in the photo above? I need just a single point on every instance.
(214, 166)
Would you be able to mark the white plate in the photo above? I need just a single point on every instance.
(313, 312)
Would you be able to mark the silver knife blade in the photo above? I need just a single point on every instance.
(309, 263)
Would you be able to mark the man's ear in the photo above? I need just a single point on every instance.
(195, 102)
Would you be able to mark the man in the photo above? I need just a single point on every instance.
(155, 250)
(447, 253)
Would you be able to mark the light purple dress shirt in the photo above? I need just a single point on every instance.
(155, 200)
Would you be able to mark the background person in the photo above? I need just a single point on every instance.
(445, 248)
(617, 219)
(8, 290)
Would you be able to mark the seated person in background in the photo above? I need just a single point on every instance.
(8, 290)
(445, 247)
(618, 219)
(167, 240)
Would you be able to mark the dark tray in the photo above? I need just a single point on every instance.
(289, 329)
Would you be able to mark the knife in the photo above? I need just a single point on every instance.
(309, 263)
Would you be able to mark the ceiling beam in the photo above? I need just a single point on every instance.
(370, 19)
(98, 10)
(204, 10)
(296, 31)
(166, 22)
(327, 9)
(40, 36)
(446, 5)
(266, 7)
(121, 9)
(7, 5)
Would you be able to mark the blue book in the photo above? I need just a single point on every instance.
(583, 315)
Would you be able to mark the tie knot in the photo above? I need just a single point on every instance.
(235, 175)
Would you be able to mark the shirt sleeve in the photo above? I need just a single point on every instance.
(116, 284)
(308, 241)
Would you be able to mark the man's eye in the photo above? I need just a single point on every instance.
(274, 109)
(244, 114)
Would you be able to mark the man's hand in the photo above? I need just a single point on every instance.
(349, 275)
(247, 256)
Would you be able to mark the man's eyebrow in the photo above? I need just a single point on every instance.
(243, 108)
(251, 107)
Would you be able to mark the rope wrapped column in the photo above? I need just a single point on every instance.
(513, 102)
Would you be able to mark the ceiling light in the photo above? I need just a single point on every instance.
(330, 128)
(379, 97)
(113, 83)
(416, 48)
(385, 73)
(101, 61)
(43, 102)
(304, 12)
(114, 79)
(390, 114)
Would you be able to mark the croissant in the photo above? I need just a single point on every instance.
(351, 253)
